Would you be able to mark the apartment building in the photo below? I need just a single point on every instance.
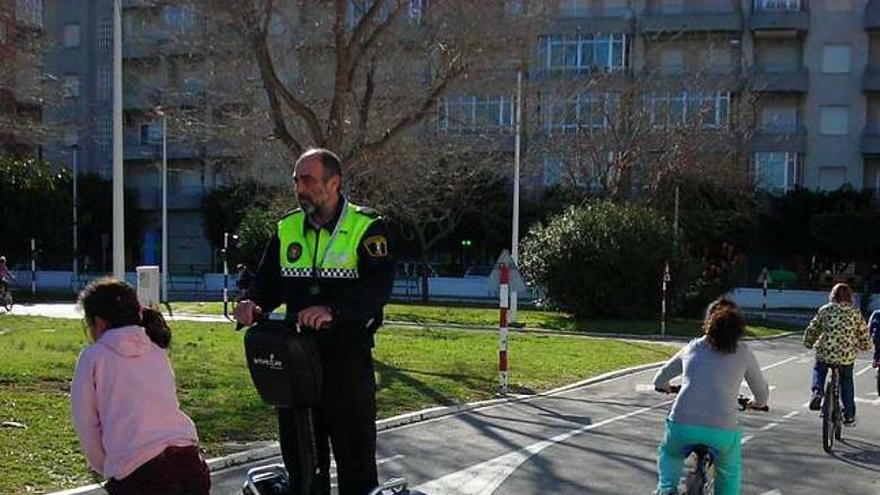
(811, 67)
(166, 73)
(21, 26)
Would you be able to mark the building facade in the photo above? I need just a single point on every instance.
(21, 36)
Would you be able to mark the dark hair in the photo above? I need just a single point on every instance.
(116, 302)
(724, 327)
(331, 162)
(841, 293)
(720, 303)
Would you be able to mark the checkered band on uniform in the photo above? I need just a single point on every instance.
(296, 272)
(337, 273)
(322, 273)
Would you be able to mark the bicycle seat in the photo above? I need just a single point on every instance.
(700, 450)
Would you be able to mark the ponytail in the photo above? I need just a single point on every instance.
(158, 331)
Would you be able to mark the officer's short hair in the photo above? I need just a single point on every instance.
(330, 161)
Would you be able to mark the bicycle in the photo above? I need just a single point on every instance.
(831, 411)
(6, 300)
(701, 480)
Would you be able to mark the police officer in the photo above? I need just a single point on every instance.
(330, 263)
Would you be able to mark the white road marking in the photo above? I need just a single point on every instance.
(873, 402)
(864, 370)
(484, 478)
(791, 414)
(772, 492)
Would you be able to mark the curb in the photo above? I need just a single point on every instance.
(273, 450)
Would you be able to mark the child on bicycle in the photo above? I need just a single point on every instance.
(836, 333)
(124, 400)
(712, 369)
(874, 329)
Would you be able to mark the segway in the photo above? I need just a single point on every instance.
(285, 367)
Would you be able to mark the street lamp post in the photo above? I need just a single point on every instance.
(225, 253)
(514, 248)
(118, 180)
(75, 150)
(164, 272)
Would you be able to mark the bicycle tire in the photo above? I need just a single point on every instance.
(878, 382)
(7, 302)
(700, 481)
(828, 418)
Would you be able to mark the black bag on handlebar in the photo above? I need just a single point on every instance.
(284, 364)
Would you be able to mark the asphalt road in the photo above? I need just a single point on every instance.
(602, 439)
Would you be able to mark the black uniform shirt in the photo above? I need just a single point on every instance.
(356, 304)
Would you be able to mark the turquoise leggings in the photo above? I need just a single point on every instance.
(727, 446)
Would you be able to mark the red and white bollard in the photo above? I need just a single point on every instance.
(503, 304)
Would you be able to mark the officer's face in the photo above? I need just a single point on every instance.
(313, 191)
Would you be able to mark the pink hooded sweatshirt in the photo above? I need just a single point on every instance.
(124, 403)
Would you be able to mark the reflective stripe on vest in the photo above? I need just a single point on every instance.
(334, 256)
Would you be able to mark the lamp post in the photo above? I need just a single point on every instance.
(118, 179)
(75, 151)
(164, 273)
(514, 245)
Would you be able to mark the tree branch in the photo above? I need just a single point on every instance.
(454, 69)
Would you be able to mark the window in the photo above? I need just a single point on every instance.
(779, 118)
(710, 110)
(416, 9)
(104, 132)
(831, 178)
(583, 112)
(70, 86)
(777, 4)
(836, 59)
(29, 12)
(105, 82)
(71, 36)
(151, 133)
(839, 5)
(672, 61)
(552, 171)
(105, 34)
(834, 120)
(474, 114)
(357, 9)
(587, 52)
(778, 171)
(181, 19)
(671, 6)
(71, 137)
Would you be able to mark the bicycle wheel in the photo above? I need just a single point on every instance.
(878, 381)
(828, 418)
(700, 481)
(6, 301)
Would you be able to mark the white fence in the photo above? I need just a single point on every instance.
(209, 285)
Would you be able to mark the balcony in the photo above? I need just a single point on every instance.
(595, 21)
(136, 149)
(695, 21)
(179, 197)
(779, 15)
(781, 138)
(778, 79)
(143, 43)
(871, 78)
(870, 144)
(872, 15)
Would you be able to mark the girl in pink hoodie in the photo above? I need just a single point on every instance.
(124, 399)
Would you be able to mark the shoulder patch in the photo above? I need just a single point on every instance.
(376, 246)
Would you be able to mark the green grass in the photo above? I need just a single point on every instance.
(415, 368)
(550, 320)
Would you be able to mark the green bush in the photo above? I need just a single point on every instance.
(603, 259)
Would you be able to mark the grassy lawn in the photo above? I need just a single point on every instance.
(550, 320)
(416, 368)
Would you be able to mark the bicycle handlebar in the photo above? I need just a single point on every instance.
(743, 401)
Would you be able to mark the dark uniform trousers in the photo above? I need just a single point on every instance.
(346, 420)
